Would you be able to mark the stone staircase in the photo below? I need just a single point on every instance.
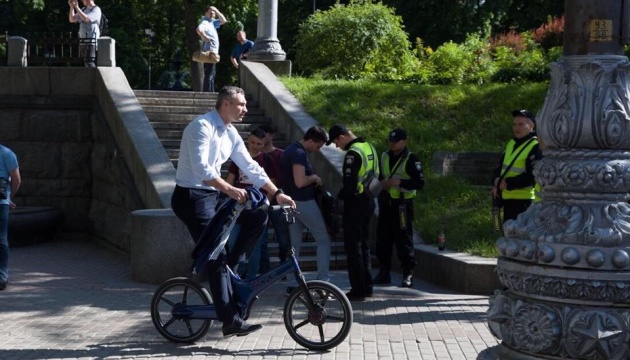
(170, 111)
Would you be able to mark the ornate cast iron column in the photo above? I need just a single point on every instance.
(266, 45)
(565, 262)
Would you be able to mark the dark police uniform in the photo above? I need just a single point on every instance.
(357, 212)
(396, 212)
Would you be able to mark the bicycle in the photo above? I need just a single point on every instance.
(317, 314)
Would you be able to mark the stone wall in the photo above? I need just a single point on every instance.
(474, 166)
(85, 147)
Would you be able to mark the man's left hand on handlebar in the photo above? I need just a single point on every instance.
(284, 199)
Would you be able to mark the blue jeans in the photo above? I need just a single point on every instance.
(281, 231)
(209, 73)
(257, 260)
(311, 217)
(4, 243)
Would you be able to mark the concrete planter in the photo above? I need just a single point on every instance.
(33, 224)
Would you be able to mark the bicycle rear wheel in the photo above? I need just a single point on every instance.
(323, 324)
(166, 310)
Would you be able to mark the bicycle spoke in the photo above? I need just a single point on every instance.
(190, 330)
(168, 323)
(302, 324)
(185, 296)
(167, 301)
(322, 338)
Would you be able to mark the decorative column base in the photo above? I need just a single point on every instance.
(266, 49)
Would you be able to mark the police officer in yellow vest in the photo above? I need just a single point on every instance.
(401, 176)
(514, 178)
(357, 208)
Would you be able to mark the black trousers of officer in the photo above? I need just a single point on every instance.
(394, 231)
(196, 208)
(357, 212)
(513, 207)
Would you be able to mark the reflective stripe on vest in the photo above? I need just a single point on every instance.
(519, 167)
(369, 161)
(538, 192)
(400, 173)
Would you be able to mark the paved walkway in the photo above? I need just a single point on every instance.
(74, 300)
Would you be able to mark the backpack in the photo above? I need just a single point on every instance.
(103, 25)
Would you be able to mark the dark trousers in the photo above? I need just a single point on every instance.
(392, 230)
(281, 231)
(196, 207)
(513, 207)
(357, 212)
(209, 73)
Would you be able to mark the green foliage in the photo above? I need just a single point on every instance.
(469, 62)
(448, 118)
(354, 41)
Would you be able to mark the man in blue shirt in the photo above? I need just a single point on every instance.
(241, 49)
(207, 143)
(9, 170)
(299, 181)
(207, 31)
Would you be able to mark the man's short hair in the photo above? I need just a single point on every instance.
(316, 133)
(258, 132)
(268, 128)
(228, 93)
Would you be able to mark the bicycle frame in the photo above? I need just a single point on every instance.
(245, 291)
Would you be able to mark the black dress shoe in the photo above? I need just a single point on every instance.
(239, 328)
(383, 278)
(407, 281)
(3, 285)
(355, 297)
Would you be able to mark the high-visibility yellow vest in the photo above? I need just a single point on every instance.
(517, 168)
(400, 173)
(369, 162)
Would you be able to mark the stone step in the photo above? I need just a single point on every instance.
(176, 94)
(189, 109)
(251, 117)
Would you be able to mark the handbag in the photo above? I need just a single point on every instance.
(371, 184)
(4, 188)
(206, 57)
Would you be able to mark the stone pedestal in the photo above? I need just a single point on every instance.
(106, 52)
(17, 51)
(566, 260)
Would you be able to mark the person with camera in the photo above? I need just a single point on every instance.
(513, 180)
(358, 208)
(89, 18)
(11, 181)
(207, 31)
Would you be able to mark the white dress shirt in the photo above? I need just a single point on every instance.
(206, 145)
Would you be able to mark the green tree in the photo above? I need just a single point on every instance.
(353, 41)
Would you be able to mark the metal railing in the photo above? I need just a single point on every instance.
(63, 49)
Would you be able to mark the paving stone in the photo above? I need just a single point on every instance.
(76, 300)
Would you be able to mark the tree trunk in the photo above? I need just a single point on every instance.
(191, 20)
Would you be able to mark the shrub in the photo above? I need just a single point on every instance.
(550, 34)
(354, 41)
(469, 62)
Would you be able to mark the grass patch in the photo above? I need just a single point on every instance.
(449, 118)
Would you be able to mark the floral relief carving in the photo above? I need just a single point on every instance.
(536, 328)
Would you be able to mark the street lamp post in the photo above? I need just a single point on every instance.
(150, 34)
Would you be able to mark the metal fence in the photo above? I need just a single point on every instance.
(63, 49)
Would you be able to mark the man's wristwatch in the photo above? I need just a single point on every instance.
(275, 195)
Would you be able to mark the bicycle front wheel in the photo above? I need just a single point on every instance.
(324, 323)
(166, 310)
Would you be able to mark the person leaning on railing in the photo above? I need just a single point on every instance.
(89, 18)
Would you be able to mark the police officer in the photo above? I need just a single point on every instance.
(514, 177)
(401, 176)
(360, 158)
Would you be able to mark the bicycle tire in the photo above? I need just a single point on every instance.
(174, 292)
(329, 321)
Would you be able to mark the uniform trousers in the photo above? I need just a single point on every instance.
(196, 208)
(395, 229)
(357, 213)
(513, 207)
